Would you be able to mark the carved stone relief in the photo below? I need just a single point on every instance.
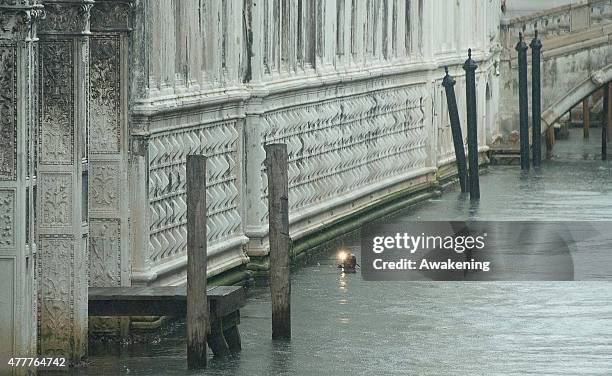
(105, 95)
(56, 111)
(110, 15)
(105, 252)
(330, 143)
(56, 200)
(56, 295)
(61, 17)
(105, 190)
(17, 18)
(7, 219)
(168, 208)
(8, 114)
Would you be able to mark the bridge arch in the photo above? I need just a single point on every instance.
(566, 102)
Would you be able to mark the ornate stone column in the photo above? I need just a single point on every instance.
(62, 179)
(18, 48)
(109, 240)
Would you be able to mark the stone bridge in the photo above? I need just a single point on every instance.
(576, 58)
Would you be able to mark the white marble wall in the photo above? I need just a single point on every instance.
(352, 86)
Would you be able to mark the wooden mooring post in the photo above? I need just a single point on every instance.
(278, 235)
(451, 100)
(605, 122)
(586, 115)
(521, 47)
(197, 305)
(536, 100)
(608, 113)
(472, 124)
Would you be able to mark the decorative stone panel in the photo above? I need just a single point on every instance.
(7, 218)
(108, 191)
(63, 129)
(56, 293)
(105, 252)
(56, 101)
(56, 200)
(105, 186)
(105, 95)
(110, 15)
(340, 145)
(63, 18)
(8, 111)
(167, 156)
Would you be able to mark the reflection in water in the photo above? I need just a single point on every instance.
(281, 363)
(428, 328)
(342, 281)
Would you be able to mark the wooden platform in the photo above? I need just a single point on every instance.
(224, 303)
(159, 301)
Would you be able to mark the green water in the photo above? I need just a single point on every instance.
(343, 325)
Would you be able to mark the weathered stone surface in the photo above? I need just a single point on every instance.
(105, 253)
(56, 202)
(17, 167)
(108, 190)
(8, 111)
(340, 82)
(57, 100)
(7, 219)
(57, 301)
(105, 95)
(62, 210)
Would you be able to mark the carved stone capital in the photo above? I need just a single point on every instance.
(18, 19)
(111, 15)
(67, 17)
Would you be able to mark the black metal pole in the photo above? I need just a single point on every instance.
(451, 100)
(472, 125)
(536, 100)
(521, 47)
(604, 122)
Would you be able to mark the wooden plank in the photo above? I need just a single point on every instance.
(160, 301)
(138, 293)
(278, 235)
(197, 304)
(158, 292)
(131, 307)
(229, 299)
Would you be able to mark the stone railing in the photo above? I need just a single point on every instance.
(556, 22)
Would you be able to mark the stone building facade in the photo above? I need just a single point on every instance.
(102, 101)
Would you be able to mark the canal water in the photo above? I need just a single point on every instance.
(343, 325)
